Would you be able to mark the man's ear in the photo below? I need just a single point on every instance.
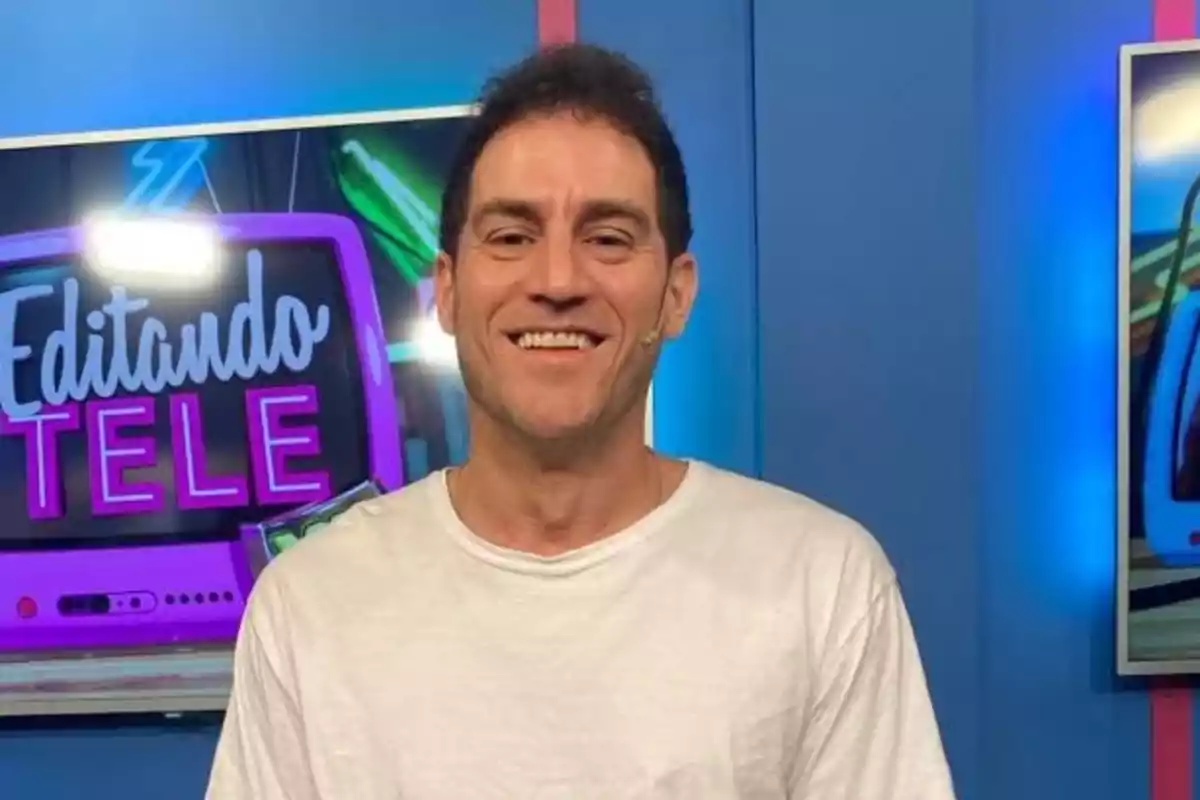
(443, 291)
(682, 284)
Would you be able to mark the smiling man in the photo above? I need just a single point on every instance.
(570, 614)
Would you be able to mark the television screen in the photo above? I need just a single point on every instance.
(205, 333)
(1159, 367)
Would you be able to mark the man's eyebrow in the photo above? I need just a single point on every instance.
(593, 211)
(507, 207)
(597, 210)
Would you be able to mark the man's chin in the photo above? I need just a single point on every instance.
(546, 425)
(551, 431)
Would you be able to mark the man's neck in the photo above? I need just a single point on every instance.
(506, 496)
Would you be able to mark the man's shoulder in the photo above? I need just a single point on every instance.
(791, 542)
(783, 519)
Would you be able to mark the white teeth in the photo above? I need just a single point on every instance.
(554, 340)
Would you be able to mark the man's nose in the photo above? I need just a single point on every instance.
(558, 273)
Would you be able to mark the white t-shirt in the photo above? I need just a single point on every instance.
(741, 642)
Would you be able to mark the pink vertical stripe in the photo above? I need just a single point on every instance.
(1174, 19)
(1171, 748)
(1172, 745)
(556, 21)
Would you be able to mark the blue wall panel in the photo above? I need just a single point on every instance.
(77, 65)
(869, 301)
(74, 65)
(950, 375)
(698, 52)
(1057, 723)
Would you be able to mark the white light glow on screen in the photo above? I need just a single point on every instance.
(1167, 124)
(434, 346)
(163, 251)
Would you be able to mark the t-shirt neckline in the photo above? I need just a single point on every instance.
(571, 561)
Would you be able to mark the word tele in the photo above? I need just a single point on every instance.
(120, 439)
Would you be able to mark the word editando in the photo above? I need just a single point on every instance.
(249, 347)
(129, 349)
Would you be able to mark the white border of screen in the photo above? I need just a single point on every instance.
(1125, 664)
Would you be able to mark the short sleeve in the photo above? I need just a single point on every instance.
(872, 733)
(261, 752)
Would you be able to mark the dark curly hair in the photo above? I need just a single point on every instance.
(590, 82)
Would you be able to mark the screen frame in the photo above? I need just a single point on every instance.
(1125, 663)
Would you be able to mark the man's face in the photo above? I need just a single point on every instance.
(560, 279)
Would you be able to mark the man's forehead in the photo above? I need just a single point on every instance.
(540, 158)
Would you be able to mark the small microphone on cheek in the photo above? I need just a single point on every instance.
(651, 337)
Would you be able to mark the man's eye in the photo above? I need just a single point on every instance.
(609, 240)
(609, 247)
(510, 239)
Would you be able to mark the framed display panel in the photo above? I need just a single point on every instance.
(186, 313)
(1158, 576)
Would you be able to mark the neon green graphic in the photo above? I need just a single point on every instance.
(389, 190)
(282, 540)
(287, 529)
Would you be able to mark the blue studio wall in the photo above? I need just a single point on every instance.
(936, 190)
(937, 231)
(868, 305)
(1055, 720)
(927, 342)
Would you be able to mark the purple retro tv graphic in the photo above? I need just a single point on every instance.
(154, 425)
